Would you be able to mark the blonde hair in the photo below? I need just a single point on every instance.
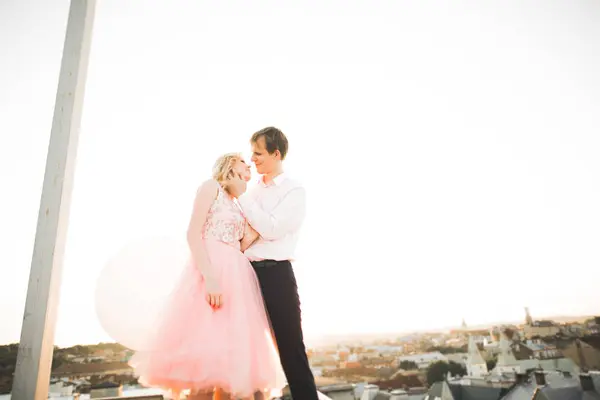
(223, 168)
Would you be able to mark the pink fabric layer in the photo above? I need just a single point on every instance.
(198, 348)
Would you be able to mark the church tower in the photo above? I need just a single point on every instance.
(492, 335)
(528, 319)
(476, 365)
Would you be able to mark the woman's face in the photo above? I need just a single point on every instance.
(243, 169)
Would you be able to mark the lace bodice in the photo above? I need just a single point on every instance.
(225, 221)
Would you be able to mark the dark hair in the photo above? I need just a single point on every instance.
(274, 140)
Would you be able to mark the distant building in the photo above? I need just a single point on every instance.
(106, 390)
(457, 390)
(574, 330)
(59, 388)
(385, 350)
(535, 348)
(508, 364)
(541, 329)
(476, 365)
(338, 392)
(584, 351)
(538, 385)
(374, 392)
(542, 385)
(593, 326)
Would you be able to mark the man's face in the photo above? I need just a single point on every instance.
(265, 163)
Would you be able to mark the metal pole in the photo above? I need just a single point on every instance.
(36, 346)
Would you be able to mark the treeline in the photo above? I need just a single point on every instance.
(438, 371)
(447, 349)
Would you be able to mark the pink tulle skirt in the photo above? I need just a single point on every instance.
(198, 348)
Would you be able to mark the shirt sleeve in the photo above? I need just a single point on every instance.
(285, 218)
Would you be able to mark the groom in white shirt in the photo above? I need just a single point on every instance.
(276, 209)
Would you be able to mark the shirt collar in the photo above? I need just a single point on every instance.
(276, 181)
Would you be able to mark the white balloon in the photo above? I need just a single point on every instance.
(135, 285)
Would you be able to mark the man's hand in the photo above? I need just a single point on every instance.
(249, 238)
(236, 186)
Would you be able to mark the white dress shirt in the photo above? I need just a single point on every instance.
(276, 211)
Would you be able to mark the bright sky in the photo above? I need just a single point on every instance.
(449, 149)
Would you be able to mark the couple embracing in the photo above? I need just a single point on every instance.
(234, 320)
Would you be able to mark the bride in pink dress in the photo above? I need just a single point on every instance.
(215, 337)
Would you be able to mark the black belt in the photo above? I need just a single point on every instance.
(268, 263)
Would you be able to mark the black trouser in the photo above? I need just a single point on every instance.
(280, 293)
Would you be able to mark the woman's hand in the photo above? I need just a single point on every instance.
(214, 295)
(215, 300)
